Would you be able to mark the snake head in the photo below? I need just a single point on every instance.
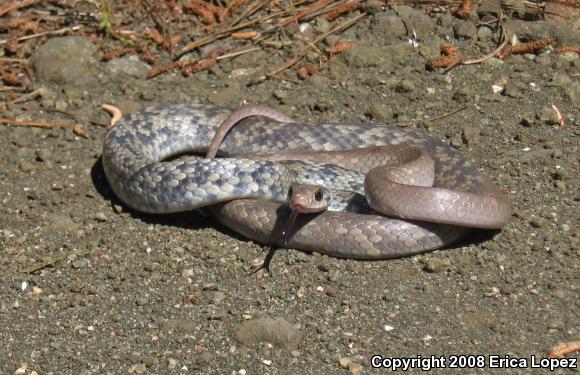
(307, 199)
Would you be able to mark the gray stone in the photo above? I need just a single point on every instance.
(464, 29)
(421, 21)
(68, 60)
(572, 92)
(548, 116)
(435, 265)
(390, 27)
(79, 264)
(180, 325)
(129, 66)
(276, 332)
(60, 223)
(43, 154)
(489, 10)
(494, 62)
(405, 86)
(27, 166)
(462, 95)
(470, 133)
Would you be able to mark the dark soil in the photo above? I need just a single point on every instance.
(89, 286)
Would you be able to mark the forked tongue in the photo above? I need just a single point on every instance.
(290, 223)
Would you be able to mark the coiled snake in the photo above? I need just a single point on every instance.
(408, 174)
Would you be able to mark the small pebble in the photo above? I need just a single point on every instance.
(27, 166)
(331, 292)
(354, 367)
(435, 265)
(344, 362)
(99, 216)
(43, 154)
(21, 285)
(556, 325)
(405, 86)
(537, 222)
(79, 263)
(57, 185)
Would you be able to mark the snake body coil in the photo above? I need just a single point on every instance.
(136, 149)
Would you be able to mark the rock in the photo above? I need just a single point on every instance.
(423, 23)
(548, 116)
(344, 362)
(26, 166)
(384, 56)
(559, 79)
(79, 264)
(494, 62)
(484, 33)
(405, 86)
(435, 265)
(389, 26)
(556, 325)
(204, 359)
(99, 216)
(276, 332)
(180, 325)
(129, 66)
(572, 92)
(377, 112)
(527, 31)
(332, 292)
(69, 60)
(489, 10)
(568, 56)
(354, 367)
(43, 154)
(514, 90)
(462, 95)
(139, 368)
(470, 133)
(464, 29)
(58, 223)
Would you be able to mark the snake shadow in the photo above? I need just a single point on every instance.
(201, 218)
(194, 219)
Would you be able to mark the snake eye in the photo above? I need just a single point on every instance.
(318, 195)
(290, 192)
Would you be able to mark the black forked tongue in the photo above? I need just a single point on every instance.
(286, 233)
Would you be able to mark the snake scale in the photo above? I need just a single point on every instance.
(148, 163)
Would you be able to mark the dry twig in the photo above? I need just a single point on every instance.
(115, 112)
(567, 49)
(563, 349)
(78, 129)
(348, 23)
(18, 5)
(308, 10)
(451, 57)
(52, 32)
(467, 6)
(341, 10)
(529, 47)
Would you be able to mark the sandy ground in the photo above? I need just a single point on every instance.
(89, 286)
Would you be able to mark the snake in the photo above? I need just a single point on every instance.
(399, 192)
